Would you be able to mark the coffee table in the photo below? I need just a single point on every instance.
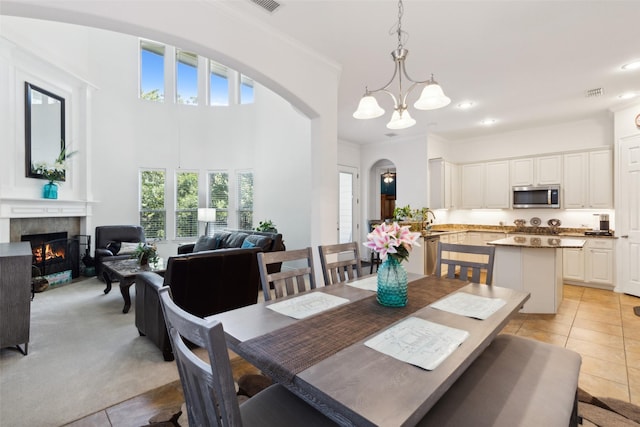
(125, 271)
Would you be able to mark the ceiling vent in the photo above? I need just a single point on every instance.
(268, 5)
(594, 92)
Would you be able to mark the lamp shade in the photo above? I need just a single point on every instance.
(431, 98)
(368, 108)
(206, 214)
(401, 121)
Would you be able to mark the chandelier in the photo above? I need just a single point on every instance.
(432, 96)
(388, 177)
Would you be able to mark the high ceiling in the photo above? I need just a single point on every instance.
(522, 63)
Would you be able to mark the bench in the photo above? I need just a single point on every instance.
(514, 382)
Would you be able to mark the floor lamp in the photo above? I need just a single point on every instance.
(206, 215)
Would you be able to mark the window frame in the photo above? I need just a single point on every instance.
(220, 212)
(240, 209)
(153, 47)
(194, 211)
(163, 232)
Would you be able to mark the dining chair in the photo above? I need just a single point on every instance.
(340, 262)
(294, 275)
(456, 261)
(209, 388)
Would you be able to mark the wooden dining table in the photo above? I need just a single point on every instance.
(323, 358)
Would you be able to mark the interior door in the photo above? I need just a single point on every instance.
(628, 215)
(347, 205)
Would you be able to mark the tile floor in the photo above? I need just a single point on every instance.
(598, 324)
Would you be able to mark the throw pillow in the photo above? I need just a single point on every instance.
(247, 244)
(235, 239)
(128, 247)
(263, 242)
(205, 243)
(114, 247)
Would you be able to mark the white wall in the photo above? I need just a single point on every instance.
(596, 132)
(215, 31)
(126, 134)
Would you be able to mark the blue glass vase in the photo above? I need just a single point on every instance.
(50, 190)
(392, 283)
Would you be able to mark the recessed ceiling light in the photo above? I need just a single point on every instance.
(488, 122)
(465, 105)
(635, 65)
(628, 95)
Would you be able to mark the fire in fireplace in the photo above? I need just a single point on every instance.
(54, 252)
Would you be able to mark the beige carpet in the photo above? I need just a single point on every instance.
(84, 356)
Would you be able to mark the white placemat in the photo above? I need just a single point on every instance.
(469, 305)
(307, 305)
(369, 283)
(418, 342)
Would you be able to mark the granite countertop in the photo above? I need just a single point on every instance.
(440, 229)
(528, 241)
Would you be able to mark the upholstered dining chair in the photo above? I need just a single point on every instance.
(477, 259)
(340, 262)
(293, 278)
(209, 389)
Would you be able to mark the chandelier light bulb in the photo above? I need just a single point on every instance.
(401, 120)
(368, 108)
(432, 98)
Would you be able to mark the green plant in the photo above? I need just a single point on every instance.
(402, 213)
(267, 225)
(56, 171)
(146, 251)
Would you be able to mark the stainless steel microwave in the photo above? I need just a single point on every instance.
(536, 197)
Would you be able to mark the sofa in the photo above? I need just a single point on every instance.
(202, 283)
(109, 243)
(267, 241)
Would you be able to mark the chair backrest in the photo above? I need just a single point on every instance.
(340, 262)
(293, 278)
(209, 389)
(449, 256)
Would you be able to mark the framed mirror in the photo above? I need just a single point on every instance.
(44, 128)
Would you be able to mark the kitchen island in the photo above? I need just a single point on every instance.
(533, 264)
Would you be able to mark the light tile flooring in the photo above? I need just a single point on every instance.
(602, 327)
(598, 324)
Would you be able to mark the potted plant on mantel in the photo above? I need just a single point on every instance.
(417, 219)
(53, 173)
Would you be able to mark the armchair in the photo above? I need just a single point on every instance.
(108, 240)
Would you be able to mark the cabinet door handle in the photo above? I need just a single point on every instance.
(626, 236)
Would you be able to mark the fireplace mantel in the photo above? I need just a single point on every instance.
(44, 208)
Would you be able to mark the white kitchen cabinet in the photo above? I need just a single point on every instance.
(573, 264)
(588, 180)
(599, 261)
(549, 170)
(496, 185)
(542, 170)
(591, 265)
(443, 184)
(472, 186)
(600, 179)
(485, 185)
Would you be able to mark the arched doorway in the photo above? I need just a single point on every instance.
(383, 190)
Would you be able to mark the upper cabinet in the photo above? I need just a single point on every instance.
(444, 184)
(588, 180)
(485, 185)
(532, 171)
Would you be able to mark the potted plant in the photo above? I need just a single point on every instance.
(267, 226)
(53, 173)
(418, 219)
(146, 253)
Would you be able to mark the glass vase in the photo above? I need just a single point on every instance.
(392, 283)
(50, 190)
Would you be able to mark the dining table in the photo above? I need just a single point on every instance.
(330, 358)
